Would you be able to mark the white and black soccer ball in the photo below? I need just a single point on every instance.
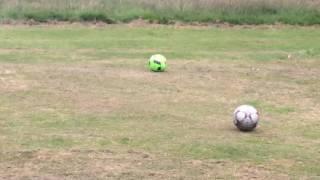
(246, 118)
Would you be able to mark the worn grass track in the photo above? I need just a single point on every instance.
(78, 103)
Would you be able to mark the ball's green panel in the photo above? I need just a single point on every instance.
(157, 63)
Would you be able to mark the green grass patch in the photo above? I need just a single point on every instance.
(69, 45)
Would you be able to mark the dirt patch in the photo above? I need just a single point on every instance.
(10, 80)
(91, 104)
(106, 164)
(257, 172)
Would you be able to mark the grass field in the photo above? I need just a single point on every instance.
(78, 102)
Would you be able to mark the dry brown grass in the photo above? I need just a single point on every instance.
(93, 88)
(105, 164)
(103, 88)
(11, 81)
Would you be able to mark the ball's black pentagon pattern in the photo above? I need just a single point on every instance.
(249, 118)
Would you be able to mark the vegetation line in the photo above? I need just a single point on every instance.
(301, 12)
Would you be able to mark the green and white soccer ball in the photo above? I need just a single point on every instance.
(246, 118)
(157, 63)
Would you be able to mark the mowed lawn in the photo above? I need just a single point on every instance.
(78, 102)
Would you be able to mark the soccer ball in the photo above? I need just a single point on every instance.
(246, 118)
(157, 63)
